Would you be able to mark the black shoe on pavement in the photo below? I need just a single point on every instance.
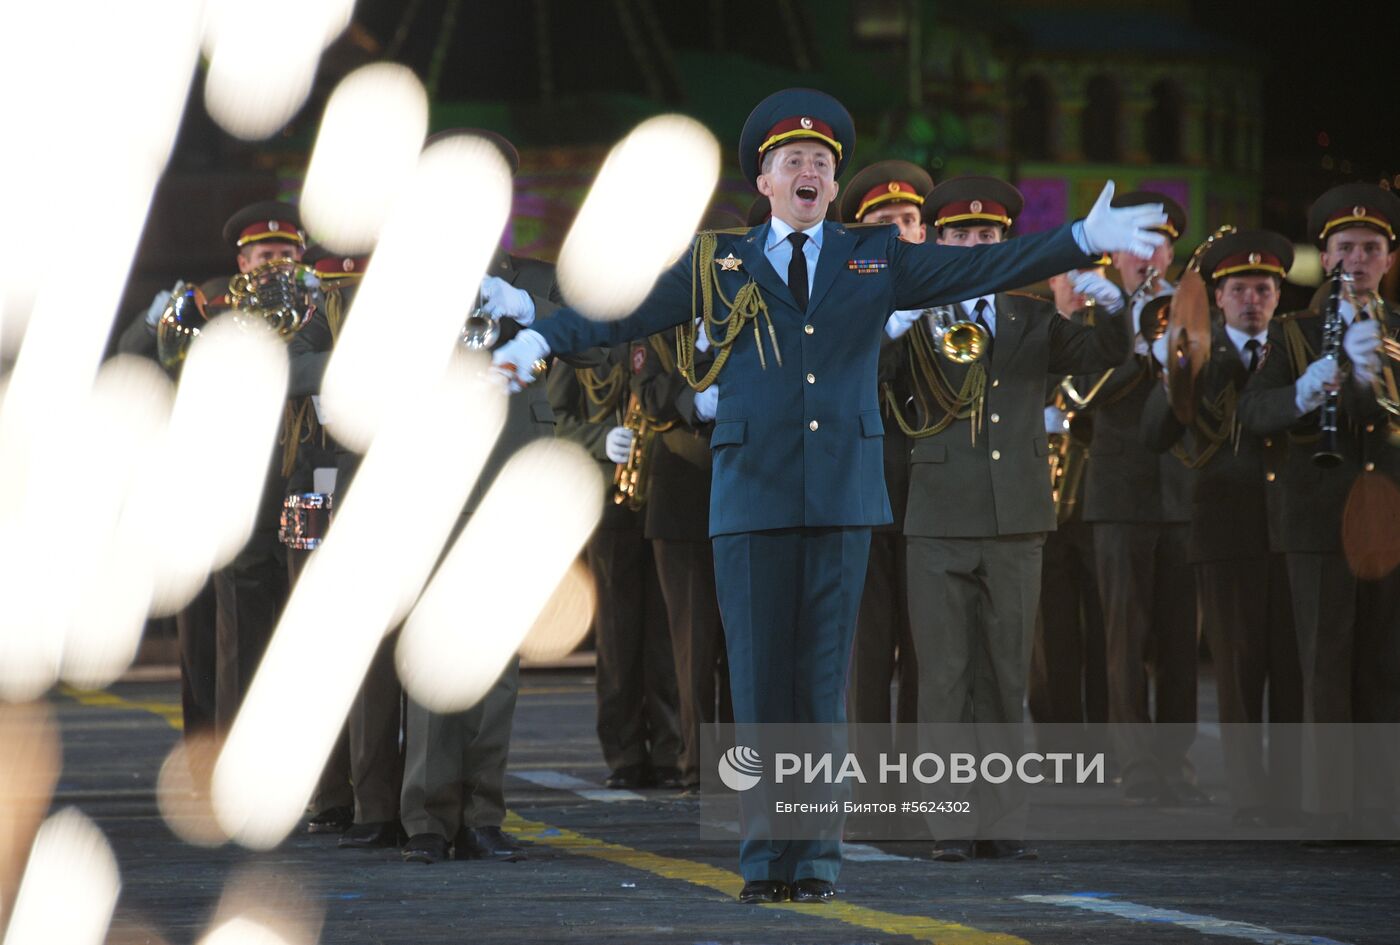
(426, 848)
(813, 890)
(667, 778)
(627, 777)
(381, 833)
(764, 890)
(331, 820)
(952, 851)
(487, 843)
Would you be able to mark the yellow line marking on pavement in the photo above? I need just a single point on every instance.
(920, 928)
(170, 712)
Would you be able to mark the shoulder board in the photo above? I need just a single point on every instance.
(728, 231)
(1031, 296)
(1299, 315)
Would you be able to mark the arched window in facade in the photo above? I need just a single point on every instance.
(1163, 132)
(1033, 119)
(1100, 123)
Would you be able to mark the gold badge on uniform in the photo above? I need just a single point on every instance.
(730, 263)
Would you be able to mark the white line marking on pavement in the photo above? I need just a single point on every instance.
(864, 853)
(1205, 924)
(584, 789)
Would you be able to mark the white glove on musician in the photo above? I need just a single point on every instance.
(706, 402)
(1109, 229)
(618, 444)
(1311, 388)
(1362, 343)
(503, 300)
(1091, 284)
(1159, 350)
(158, 304)
(521, 359)
(901, 321)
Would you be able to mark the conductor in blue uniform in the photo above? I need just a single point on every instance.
(796, 309)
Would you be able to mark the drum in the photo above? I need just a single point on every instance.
(305, 518)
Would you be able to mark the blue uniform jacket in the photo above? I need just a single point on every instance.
(801, 445)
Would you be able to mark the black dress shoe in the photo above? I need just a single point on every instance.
(953, 851)
(764, 890)
(1005, 850)
(331, 820)
(667, 778)
(426, 848)
(813, 890)
(627, 777)
(486, 843)
(383, 833)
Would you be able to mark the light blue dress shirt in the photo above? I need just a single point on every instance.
(779, 250)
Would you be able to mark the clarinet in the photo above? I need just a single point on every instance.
(1328, 453)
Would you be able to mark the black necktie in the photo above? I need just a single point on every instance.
(981, 309)
(1252, 346)
(797, 271)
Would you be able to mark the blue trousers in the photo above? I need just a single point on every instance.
(789, 599)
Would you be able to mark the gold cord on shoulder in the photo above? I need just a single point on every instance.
(723, 330)
(936, 404)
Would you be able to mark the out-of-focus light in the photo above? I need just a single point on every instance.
(1307, 265)
(566, 617)
(244, 931)
(262, 61)
(370, 138)
(265, 906)
(499, 575)
(30, 746)
(200, 497)
(297, 704)
(402, 327)
(105, 587)
(70, 885)
(183, 791)
(669, 154)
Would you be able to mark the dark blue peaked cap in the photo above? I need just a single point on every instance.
(795, 115)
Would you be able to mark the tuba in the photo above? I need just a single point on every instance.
(959, 340)
(281, 294)
(180, 323)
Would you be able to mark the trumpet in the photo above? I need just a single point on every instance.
(959, 340)
(1152, 320)
(480, 331)
(632, 477)
(180, 323)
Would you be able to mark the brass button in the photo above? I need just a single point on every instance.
(996, 454)
(996, 418)
(811, 378)
(1268, 441)
(1370, 428)
(812, 425)
(1370, 467)
(1270, 476)
(996, 383)
(808, 329)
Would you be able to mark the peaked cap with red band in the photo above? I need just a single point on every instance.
(795, 115)
(882, 183)
(266, 220)
(1249, 252)
(973, 200)
(1354, 204)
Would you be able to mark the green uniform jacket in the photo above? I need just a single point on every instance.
(1229, 508)
(1312, 498)
(1000, 485)
(678, 506)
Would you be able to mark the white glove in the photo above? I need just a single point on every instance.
(702, 340)
(516, 360)
(1159, 350)
(706, 401)
(1311, 389)
(158, 304)
(1091, 284)
(618, 444)
(1109, 229)
(902, 321)
(1362, 343)
(1056, 420)
(503, 300)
